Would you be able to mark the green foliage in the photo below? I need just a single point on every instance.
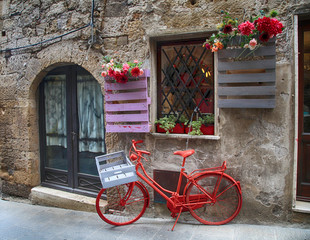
(273, 13)
(116, 64)
(183, 119)
(208, 119)
(166, 123)
(195, 127)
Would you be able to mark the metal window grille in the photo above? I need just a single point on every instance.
(186, 80)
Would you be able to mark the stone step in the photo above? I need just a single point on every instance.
(57, 198)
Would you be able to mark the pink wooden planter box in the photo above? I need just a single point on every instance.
(127, 105)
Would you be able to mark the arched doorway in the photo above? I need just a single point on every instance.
(72, 133)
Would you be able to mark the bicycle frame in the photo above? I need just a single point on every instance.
(177, 201)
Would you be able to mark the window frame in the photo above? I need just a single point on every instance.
(155, 43)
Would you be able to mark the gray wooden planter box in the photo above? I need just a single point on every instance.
(115, 169)
(247, 83)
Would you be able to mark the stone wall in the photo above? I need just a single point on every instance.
(257, 144)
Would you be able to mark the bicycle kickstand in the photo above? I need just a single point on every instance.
(177, 218)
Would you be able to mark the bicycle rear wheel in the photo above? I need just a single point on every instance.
(227, 196)
(124, 204)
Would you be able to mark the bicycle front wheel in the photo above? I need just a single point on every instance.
(226, 203)
(123, 204)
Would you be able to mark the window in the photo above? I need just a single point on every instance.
(185, 80)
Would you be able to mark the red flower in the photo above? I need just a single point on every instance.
(125, 71)
(278, 26)
(227, 28)
(207, 46)
(264, 37)
(272, 26)
(117, 74)
(246, 28)
(121, 77)
(135, 72)
(111, 72)
(255, 23)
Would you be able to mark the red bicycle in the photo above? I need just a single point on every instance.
(210, 195)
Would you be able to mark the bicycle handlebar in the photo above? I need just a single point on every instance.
(134, 143)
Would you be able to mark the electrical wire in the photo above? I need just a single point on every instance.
(91, 24)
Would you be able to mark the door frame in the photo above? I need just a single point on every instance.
(73, 175)
(298, 206)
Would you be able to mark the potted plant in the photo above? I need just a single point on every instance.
(207, 127)
(203, 126)
(165, 124)
(180, 124)
(171, 124)
(194, 127)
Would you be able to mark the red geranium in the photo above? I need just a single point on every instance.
(207, 46)
(111, 72)
(246, 28)
(121, 77)
(227, 29)
(264, 37)
(135, 72)
(272, 26)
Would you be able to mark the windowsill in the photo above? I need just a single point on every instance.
(185, 136)
(303, 207)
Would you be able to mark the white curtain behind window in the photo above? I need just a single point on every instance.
(55, 110)
(90, 114)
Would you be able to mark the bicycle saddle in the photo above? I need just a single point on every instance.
(185, 153)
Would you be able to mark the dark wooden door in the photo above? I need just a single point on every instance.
(303, 181)
(71, 130)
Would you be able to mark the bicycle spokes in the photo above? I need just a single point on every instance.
(225, 201)
(124, 204)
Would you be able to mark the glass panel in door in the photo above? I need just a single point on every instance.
(55, 122)
(306, 80)
(303, 174)
(91, 123)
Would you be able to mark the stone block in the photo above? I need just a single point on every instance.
(56, 198)
(40, 29)
(56, 9)
(123, 40)
(15, 189)
(110, 43)
(116, 9)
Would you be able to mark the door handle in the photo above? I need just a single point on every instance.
(73, 134)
